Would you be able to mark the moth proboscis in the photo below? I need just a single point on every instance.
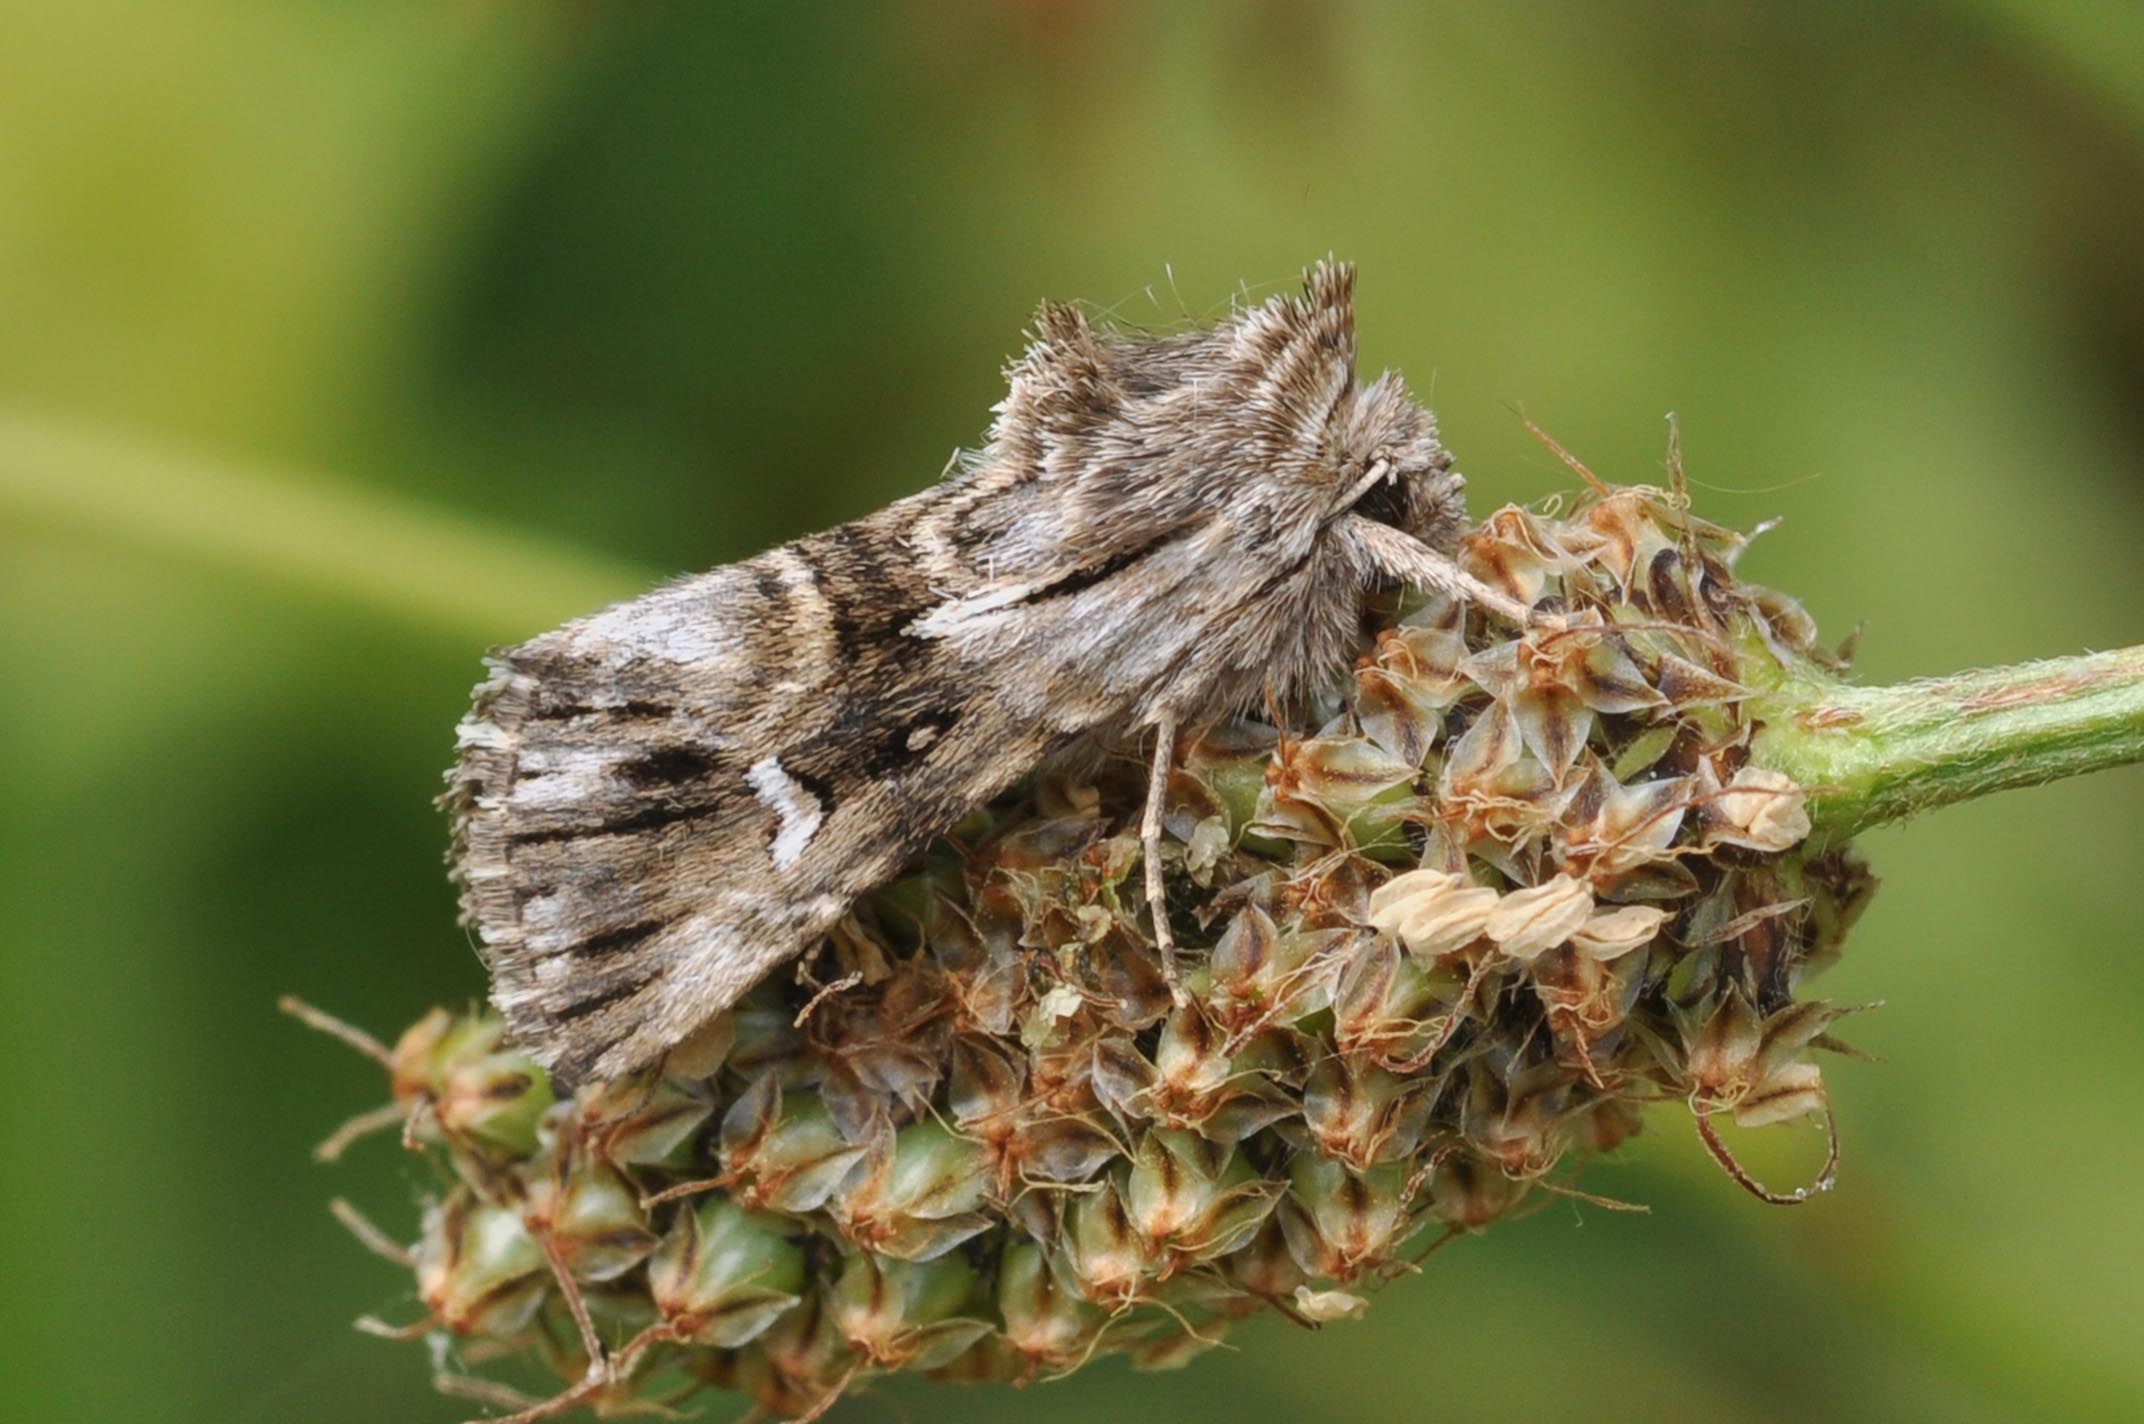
(657, 804)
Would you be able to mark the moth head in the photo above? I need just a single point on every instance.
(1392, 469)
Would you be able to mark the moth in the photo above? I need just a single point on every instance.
(659, 803)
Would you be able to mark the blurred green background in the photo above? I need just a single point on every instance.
(340, 341)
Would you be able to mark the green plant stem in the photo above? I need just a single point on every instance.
(1874, 754)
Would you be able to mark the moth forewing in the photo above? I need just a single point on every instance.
(658, 804)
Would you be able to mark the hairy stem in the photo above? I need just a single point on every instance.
(1874, 754)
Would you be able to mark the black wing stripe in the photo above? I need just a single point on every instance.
(654, 818)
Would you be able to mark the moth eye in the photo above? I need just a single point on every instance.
(1388, 500)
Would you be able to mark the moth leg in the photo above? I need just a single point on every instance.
(1157, 793)
(1399, 555)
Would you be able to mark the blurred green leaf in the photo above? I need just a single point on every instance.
(307, 533)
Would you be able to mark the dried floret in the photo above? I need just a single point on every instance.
(1526, 922)
(1437, 948)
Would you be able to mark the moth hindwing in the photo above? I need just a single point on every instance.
(659, 803)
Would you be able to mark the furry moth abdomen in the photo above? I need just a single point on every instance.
(659, 803)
